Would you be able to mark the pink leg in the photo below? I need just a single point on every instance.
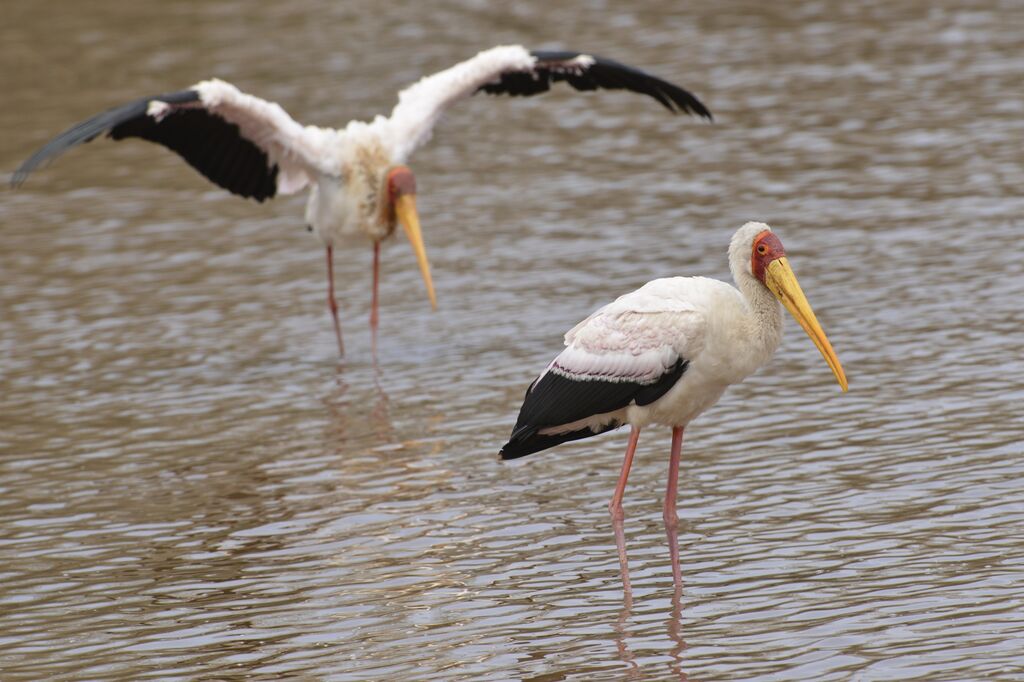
(331, 303)
(615, 509)
(669, 511)
(615, 506)
(376, 278)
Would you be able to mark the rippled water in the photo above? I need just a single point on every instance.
(190, 483)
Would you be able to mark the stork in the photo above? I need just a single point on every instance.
(663, 354)
(357, 176)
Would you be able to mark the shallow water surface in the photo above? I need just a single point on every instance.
(191, 484)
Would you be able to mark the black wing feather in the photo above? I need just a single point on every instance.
(528, 445)
(604, 74)
(209, 143)
(88, 129)
(556, 399)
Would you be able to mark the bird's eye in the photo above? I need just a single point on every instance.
(762, 249)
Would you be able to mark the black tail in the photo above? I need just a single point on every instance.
(555, 400)
(522, 444)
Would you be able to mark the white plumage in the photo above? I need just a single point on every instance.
(301, 153)
(640, 336)
(359, 185)
(665, 353)
(420, 105)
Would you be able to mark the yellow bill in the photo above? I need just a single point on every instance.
(405, 209)
(781, 281)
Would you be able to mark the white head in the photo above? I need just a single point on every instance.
(741, 246)
(757, 258)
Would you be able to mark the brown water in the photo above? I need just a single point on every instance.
(191, 485)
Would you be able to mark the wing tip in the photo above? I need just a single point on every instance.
(520, 436)
(677, 99)
(673, 97)
(90, 128)
(29, 165)
(693, 106)
(516, 450)
(533, 442)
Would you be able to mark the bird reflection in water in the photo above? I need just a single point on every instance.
(674, 624)
(344, 411)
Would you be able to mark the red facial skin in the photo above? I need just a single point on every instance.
(767, 247)
(400, 181)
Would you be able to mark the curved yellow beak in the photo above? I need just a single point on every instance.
(405, 210)
(781, 281)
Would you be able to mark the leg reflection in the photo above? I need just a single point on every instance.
(621, 634)
(675, 633)
(351, 414)
(674, 623)
(380, 415)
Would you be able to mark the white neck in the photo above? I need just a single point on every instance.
(762, 325)
(764, 322)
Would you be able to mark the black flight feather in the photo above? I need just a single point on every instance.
(555, 400)
(603, 73)
(209, 143)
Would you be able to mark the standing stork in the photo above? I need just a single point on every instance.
(662, 355)
(358, 180)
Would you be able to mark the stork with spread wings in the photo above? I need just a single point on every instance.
(357, 177)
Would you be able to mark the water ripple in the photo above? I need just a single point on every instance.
(191, 485)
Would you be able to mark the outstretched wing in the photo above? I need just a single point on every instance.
(590, 72)
(628, 353)
(514, 70)
(244, 144)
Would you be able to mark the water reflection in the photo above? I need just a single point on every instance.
(673, 621)
(622, 633)
(675, 632)
(347, 411)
